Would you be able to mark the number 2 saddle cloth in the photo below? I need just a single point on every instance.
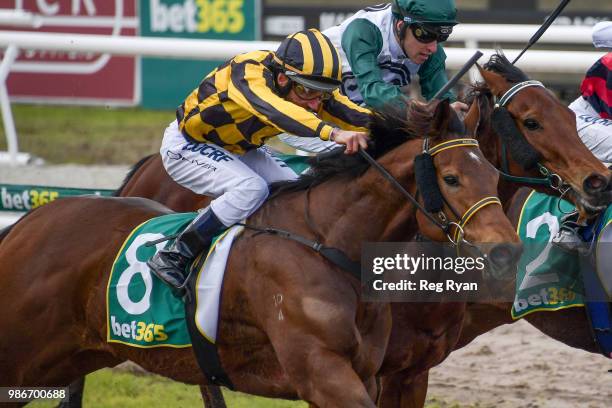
(550, 278)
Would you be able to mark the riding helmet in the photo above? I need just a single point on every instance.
(309, 58)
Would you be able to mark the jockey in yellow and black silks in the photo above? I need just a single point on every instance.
(212, 147)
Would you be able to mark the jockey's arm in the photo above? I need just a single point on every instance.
(340, 110)
(362, 42)
(432, 76)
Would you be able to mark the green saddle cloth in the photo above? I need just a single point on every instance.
(296, 163)
(141, 310)
(548, 277)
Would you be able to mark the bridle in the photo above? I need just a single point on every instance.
(549, 178)
(435, 213)
(340, 259)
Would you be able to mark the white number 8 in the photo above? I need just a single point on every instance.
(135, 267)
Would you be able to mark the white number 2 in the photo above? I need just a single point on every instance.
(532, 228)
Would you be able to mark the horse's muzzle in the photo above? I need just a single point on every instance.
(598, 192)
(503, 260)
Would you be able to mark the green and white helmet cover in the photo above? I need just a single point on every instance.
(436, 12)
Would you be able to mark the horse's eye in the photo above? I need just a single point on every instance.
(451, 180)
(532, 124)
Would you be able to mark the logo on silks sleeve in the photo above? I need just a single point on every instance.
(141, 310)
(199, 18)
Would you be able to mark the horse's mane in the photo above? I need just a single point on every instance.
(389, 128)
(128, 177)
(4, 231)
(499, 64)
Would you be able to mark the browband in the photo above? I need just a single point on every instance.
(514, 90)
(450, 144)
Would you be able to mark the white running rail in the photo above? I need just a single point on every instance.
(471, 35)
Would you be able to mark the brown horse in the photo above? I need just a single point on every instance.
(549, 128)
(564, 146)
(329, 346)
(538, 118)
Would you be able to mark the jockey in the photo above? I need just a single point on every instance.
(593, 111)
(212, 147)
(593, 108)
(383, 47)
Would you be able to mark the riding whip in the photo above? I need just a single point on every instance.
(458, 75)
(543, 28)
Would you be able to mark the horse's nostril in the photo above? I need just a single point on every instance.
(504, 254)
(595, 183)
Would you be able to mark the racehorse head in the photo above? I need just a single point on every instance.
(467, 185)
(536, 137)
(459, 186)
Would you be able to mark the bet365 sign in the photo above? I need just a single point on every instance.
(166, 82)
(212, 19)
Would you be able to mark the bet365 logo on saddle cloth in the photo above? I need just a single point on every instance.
(141, 310)
(548, 277)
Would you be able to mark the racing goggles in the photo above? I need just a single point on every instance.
(309, 94)
(428, 33)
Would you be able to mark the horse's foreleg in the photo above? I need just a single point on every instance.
(321, 376)
(400, 392)
(333, 382)
(212, 396)
(75, 394)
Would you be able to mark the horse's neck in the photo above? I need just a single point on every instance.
(370, 208)
(345, 212)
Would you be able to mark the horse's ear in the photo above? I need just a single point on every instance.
(440, 119)
(472, 118)
(496, 83)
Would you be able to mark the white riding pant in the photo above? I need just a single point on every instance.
(307, 144)
(239, 183)
(595, 132)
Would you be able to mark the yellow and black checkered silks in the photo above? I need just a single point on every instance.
(310, 53)
(238, 107)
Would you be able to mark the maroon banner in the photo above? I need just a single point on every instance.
(71, 77)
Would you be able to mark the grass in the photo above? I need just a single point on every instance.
(108, 388)
(112, 388)
(89, 135)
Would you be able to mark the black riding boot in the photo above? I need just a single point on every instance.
(170, 264)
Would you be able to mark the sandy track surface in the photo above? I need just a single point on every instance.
(513, 366)
(517, 366)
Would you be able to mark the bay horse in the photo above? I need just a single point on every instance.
(328, 347)
(549, 127)
(539, 122)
